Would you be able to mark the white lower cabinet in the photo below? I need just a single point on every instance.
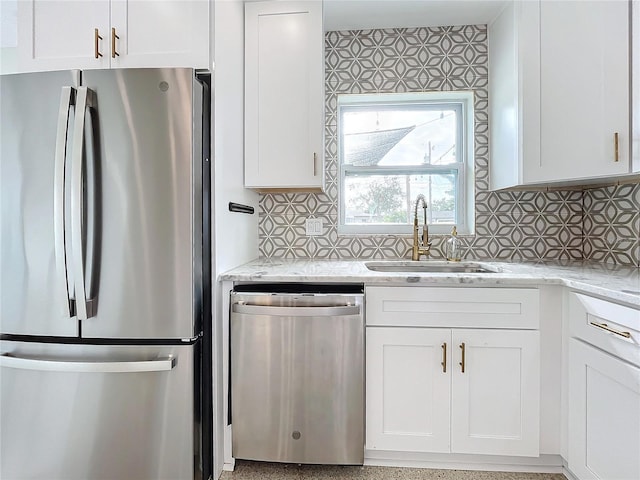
(495, 401)
(408, 389)
(419, 399)
(604, 415)
(604, 390)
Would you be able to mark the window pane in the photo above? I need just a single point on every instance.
(392, 136)
(390, 199)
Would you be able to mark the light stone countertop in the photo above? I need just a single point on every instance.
(612, 282)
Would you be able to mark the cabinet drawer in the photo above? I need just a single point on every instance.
(513, 308)
(613, 328)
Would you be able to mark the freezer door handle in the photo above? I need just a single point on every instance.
(330, 311)
(67, 99)
(50, 365)
(80, 247)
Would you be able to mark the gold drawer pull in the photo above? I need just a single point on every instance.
(97, 38)
(616, 147)
(462, 347)
(114, 53)
(606, 327)
(444, 358)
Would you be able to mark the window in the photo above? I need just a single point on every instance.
(393, 147)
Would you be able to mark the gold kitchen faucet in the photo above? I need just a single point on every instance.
(420, 246)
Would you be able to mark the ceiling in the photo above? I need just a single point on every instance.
(365, 14)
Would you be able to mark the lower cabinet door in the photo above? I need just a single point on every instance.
(604, 415)
(408, 389)
(495, 392)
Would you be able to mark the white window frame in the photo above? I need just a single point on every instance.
(463, 168)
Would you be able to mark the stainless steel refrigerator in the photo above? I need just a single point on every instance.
(104, 275)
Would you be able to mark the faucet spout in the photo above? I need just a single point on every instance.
(420, 246)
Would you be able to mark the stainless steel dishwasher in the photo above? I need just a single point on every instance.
(297, 373)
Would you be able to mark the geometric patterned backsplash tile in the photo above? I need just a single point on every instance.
(611, 224)
(518, 225)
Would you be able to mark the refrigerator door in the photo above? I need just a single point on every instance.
(99, 412)
(143, 231)
(35, 277)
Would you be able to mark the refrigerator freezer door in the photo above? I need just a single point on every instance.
(143, 279)
(99, 412)
(34, 113)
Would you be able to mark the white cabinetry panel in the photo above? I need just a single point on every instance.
(418, 397)
(407, 389)
(284, 99)
(97, 34)
(560, 92)
(584, 48)
(496, 400)
(514, 93)
(161, 33)
(604, 415)
(60, 35)
(635, 86)
(460, 307)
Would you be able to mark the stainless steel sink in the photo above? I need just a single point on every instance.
(429, 267)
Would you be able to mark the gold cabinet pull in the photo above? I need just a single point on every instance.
(315, 161)
(462, 347)
(97, 38)
(616, 147)
(444, 358)
(114, 53)
(606, 327)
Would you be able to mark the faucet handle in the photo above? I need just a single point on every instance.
(425, 235)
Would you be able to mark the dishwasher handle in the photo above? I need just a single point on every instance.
(330, 311)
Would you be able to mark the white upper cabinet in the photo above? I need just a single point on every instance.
(635, 93)
(284, 95)
(514, 93)
(61, 35)
(160, 33)
(584, 90)
(560, 82)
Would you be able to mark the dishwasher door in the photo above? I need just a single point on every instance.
(297, 378)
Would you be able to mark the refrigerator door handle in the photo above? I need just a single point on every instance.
(84, 306)
(158, 365)
(67, 99)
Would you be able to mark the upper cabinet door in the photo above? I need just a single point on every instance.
(284, 58)
(61, 35)
(560, 93)
(151, 33)
(584, 90)
(99, 34)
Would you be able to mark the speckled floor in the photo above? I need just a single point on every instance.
(275, 471)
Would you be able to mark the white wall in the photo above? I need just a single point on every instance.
(236, 234)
